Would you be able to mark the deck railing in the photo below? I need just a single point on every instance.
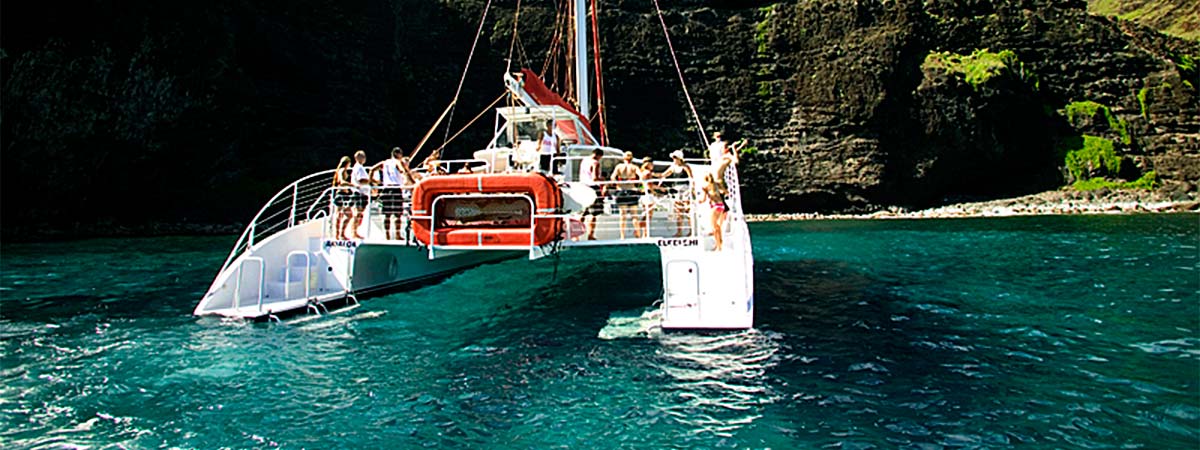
(673, 199)
(292, 205)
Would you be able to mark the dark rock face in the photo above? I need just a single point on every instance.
(847, 120)
(162, 112)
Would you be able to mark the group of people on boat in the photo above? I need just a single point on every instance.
(636, 190)
(634, 187)
(355, 184)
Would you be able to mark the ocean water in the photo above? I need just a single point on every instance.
(1049, 332)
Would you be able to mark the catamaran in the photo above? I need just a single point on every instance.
(504, 202)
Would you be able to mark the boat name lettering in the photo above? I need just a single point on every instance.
(346, 244)
(686, 242)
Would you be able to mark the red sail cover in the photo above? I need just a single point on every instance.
(544, 96)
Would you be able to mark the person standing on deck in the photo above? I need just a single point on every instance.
(549, 147)
(648, 198)
(362, 192)
(343, 196)
(681, 174)
(589, 172)
(390, 196)
(721, 155)
(715, 193)
(626, 196)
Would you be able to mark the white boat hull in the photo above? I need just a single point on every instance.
(296, 270)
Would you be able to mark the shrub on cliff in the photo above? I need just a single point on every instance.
(1088, 156)
(1078, 112)
(976, 68)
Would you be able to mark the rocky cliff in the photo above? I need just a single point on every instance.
(163, 112)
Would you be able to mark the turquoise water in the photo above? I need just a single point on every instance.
(1040, 332)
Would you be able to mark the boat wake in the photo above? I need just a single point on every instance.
(632, 324)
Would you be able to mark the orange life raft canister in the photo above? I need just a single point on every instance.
(486, 210)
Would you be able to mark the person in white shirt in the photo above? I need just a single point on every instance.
(588, 174)
(717, 149)
(393, 177)
(721, 155)
(548, 147)
(362, 191)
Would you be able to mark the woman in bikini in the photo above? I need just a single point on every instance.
(342, 197)
(716, 202)
(679, 174)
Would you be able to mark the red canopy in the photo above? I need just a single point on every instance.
(544, 96)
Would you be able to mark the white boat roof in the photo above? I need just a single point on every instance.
(540, 112)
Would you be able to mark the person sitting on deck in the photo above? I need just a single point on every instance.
(433, 165)
(362, 190)
(681, 207)
(390, 196)
(589, 172)
(343, 197)
(715, 194)
(625, 195)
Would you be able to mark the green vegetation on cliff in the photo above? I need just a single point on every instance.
(976, 68)
(1147, 182)
(1088, 155)
(1141, 97)
(1186, 64)
(763, 28)
(1088, 109)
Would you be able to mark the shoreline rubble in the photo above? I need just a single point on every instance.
(1050, 203)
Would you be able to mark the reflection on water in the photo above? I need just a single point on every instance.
(721, 379)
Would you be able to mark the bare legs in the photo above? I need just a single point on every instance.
(641, 222)
(387, 227)
(358, 219)
(590, 223)
(718, 219)
(344, 215)
(628, 215)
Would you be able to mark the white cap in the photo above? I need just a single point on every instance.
(677, 154)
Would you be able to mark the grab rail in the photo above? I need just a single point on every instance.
(287, 273)
(262, 276)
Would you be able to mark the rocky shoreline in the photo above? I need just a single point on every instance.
(1060, 202)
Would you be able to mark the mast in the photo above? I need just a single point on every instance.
(581, 73)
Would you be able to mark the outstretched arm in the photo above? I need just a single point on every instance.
(375, 170)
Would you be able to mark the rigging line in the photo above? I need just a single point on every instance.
(471, 122)
(513, 43)
(703, 136)
(470, 56)
(431, 130)
(603, 129)
(554, 38)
